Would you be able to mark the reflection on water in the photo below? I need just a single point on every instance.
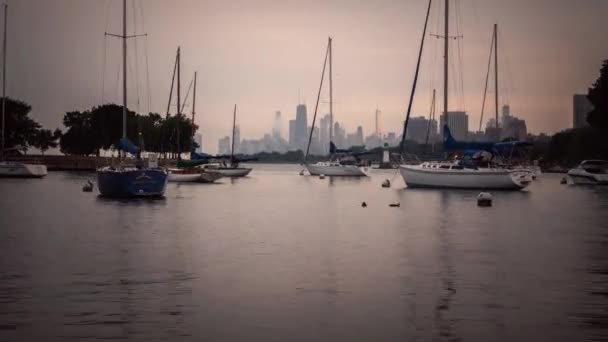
(278, 256)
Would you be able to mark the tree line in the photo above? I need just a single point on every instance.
(100, 128)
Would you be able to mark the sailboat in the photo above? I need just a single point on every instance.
(9, 168)
(341, 162)
(232, 169)
(462, 174)
(187, 170)
(130, 180)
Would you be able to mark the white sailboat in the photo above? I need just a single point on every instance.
(339, 165)
(459, 174)
(233, 169)
(11, 168)
(186, 170)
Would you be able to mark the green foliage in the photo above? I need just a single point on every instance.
(22, 132)
(100, 128)
(598, 96)
(571, 146)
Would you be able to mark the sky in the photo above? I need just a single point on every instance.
(266, 56)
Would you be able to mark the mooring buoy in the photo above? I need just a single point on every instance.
(386, 183)
(321, 176)
(564, 181)
(364, 205)
(484, 199)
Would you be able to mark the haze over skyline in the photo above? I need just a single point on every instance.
(262, 55)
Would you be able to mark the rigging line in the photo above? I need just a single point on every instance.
(409, 106)
(509, 73)
(105, 52)
(460, 52)
(103, 68)
(143, 27)
(136, 56)
(317, 104)
(428, 128)
(187, 94)
(485, 91)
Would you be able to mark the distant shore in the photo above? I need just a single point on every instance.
(91, 163)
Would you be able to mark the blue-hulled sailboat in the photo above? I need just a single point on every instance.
(137, 179)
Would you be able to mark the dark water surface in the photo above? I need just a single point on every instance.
(281, 257)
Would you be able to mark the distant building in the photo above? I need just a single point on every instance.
(359, 137)
(339, 137)
(276, 126)
(458, 123)
(378, 121)
(292, 134)
(324, 133)
(237, 139)
(198, 139)
(582, 107)
(417, 129)
(223, 146)
(301, 136)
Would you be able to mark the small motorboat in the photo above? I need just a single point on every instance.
(592, 172)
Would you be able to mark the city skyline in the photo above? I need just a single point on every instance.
(263, 65)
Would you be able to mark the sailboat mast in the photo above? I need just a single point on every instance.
(124, 68)
(3, 80)
(496, 78)
(331, 98)
(233, 129)
(445, 60)
(193, 105)
(179, 110)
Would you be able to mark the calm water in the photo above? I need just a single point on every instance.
(281, 257)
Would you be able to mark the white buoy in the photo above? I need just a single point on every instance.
(386, 183)
(484, 199)
(302, 173)
(321, 176)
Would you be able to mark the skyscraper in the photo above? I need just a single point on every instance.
(417, 129)
(223, 146)
(378, 119)
(359, 136)
(301, 128)
(458, 123)
(582, 107)
(276, 126)
(324, 133)
(292, 134)
(198, 138)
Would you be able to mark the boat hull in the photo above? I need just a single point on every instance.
(582, 177)
(131, 183)
(22, 170)
(193, 176)
(338, 171)
(497, 179)
(234, 172)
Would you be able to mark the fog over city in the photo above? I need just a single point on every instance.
(266, 56)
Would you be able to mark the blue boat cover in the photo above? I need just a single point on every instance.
(128, 146)
(199, 156)
(450, 144)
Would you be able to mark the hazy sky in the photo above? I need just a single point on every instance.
(262, 54)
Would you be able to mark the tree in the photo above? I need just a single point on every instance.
(45, 139)
(101, 128)
(598, 96)
(21, 131)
